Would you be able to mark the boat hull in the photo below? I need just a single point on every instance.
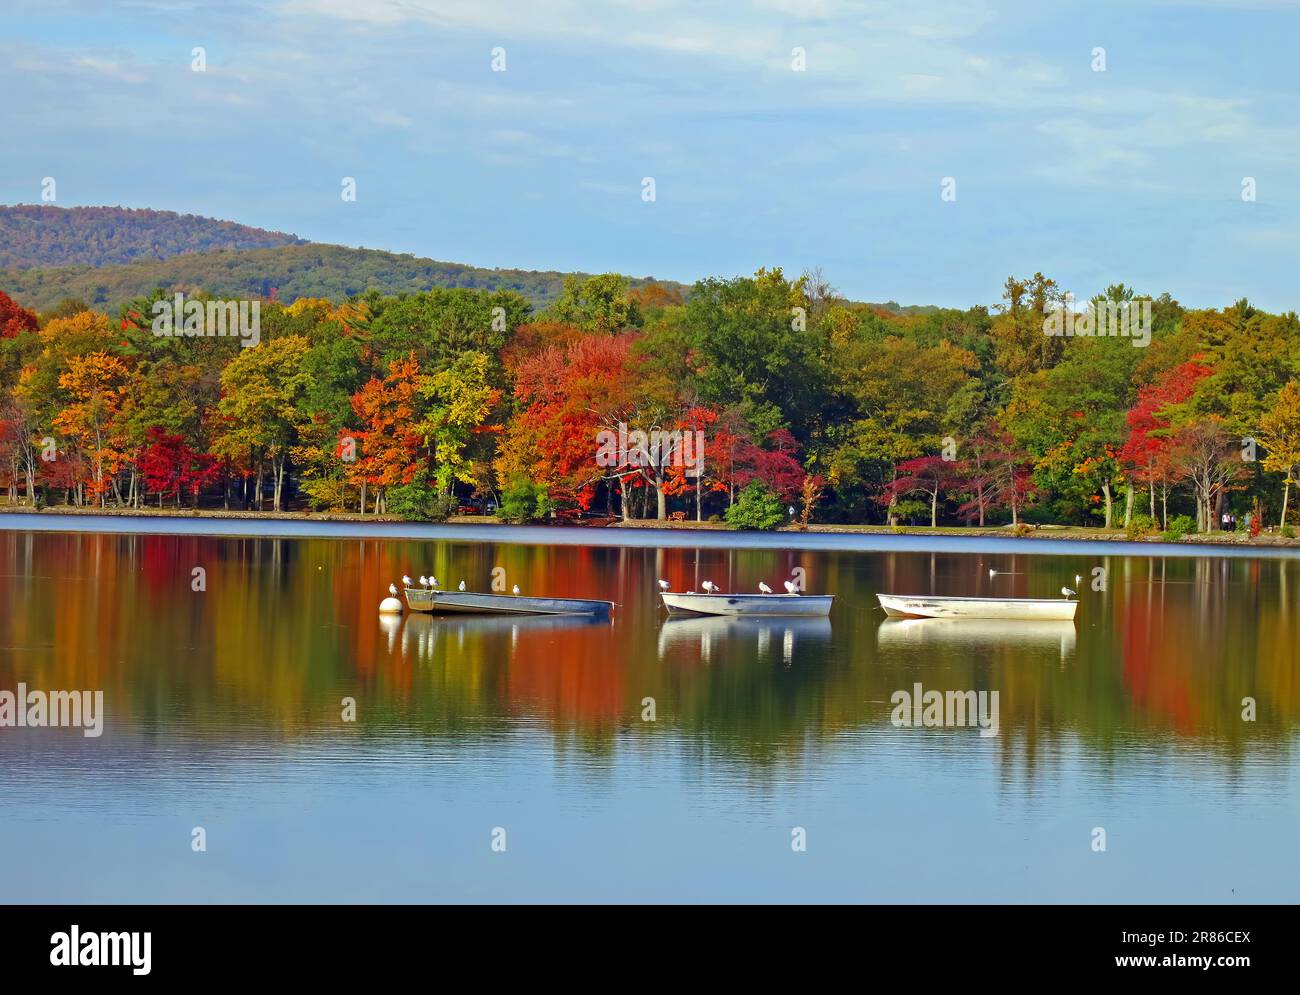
(760, 605)
(1022, 609)
(475, 603)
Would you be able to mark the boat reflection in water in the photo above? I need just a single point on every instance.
(768, 634)
(421, 633)
(898, 633)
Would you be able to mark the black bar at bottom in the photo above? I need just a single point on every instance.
(378, 943)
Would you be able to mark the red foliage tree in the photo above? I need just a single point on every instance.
(14, 318)
(995, 474)
(567, 394)
(171, 468)
(1149, 451)
(776, 464)
(929, 475)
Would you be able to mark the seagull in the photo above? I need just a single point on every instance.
(790, 588)
(433, 581)
(663, 585)
(515, 589)
(462, 586)
(424, 581)
(392, 590)
(764, 588)
(709, 586)
(406, 581)
(1067, 592)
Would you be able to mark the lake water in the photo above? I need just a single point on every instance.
(223, 710)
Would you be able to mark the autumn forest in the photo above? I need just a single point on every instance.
(811, 407)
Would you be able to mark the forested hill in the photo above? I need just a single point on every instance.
(334, 272)
(43, 235)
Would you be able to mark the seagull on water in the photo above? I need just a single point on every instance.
(764, 588)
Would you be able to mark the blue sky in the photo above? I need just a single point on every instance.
(1131, 174)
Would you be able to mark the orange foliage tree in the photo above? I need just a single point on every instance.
(97, 385)
(389, 437)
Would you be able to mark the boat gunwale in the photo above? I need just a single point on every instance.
(957, 597)
(741, 594)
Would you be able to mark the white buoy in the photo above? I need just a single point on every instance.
(390, 606)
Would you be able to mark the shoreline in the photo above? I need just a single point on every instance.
(642, 534)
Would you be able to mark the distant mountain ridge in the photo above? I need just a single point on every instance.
(38, 235)
(309, 270)
(107, 256)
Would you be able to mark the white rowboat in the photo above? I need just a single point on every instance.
(1027, 609)
(748, 604)
(423, 599)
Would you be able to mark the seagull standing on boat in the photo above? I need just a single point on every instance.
(462, 586)
(424, 581)
(764, 588)
(515, 589)
(433, 581)
(709, 586)
(1067, 592)
(663, 585)
(790, 588)
(406, 581)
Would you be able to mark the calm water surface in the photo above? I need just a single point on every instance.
(223, 711)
